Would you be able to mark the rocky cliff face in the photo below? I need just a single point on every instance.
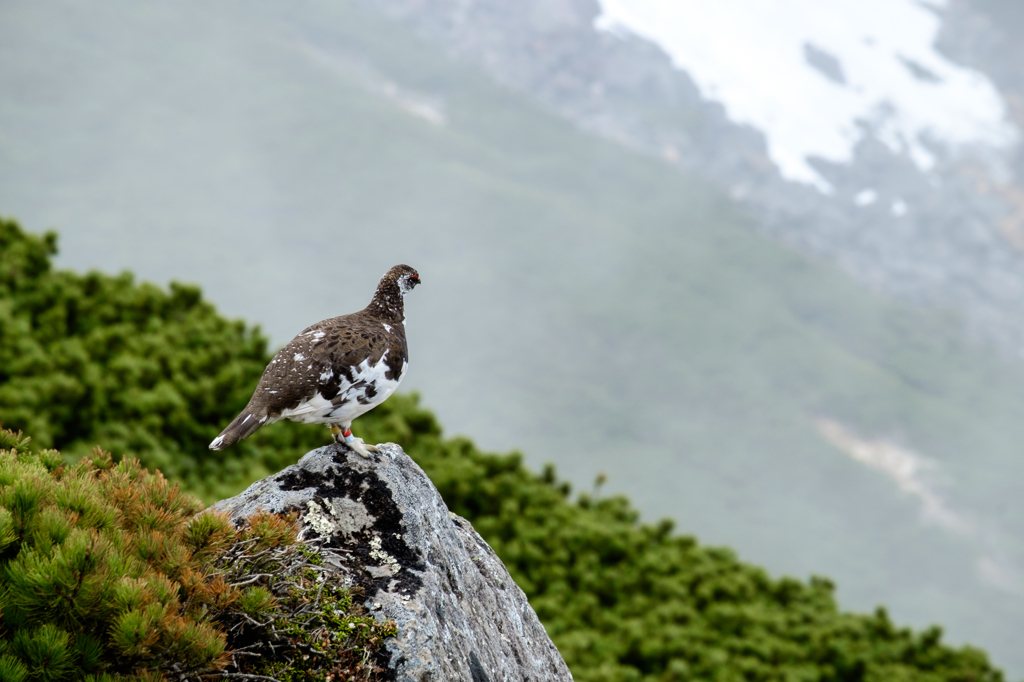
(949, 238)
(459, 614)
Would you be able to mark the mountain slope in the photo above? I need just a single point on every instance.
(916, 170)
(578, 298)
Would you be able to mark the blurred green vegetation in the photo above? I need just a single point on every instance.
(94, 359)
(624, 600)
(88, 359)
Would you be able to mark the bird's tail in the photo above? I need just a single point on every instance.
(243, 426)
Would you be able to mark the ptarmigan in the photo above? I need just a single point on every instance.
(335, 370)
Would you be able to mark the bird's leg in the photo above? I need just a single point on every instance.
(344, 436)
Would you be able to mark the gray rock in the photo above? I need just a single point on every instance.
(459, 614)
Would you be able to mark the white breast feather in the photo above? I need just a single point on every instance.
(318, 410)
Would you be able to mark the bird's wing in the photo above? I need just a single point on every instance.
(317, 366)
(323, 360)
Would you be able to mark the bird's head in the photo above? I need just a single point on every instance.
(387, 302)
(406, 278)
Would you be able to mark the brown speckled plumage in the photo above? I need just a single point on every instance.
(336, 369)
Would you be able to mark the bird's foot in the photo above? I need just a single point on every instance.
(354, 444)
(357, 446)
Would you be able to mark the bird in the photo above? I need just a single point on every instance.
(335, 370)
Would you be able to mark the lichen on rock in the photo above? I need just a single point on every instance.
(386, 531)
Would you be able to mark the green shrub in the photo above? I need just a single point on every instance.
(93, 359)
(90, 359)
(106, 572)
(624, 600)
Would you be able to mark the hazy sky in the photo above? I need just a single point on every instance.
(751, 56)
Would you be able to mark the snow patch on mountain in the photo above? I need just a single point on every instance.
(909, 470)
(917, 476)
(816, 77)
